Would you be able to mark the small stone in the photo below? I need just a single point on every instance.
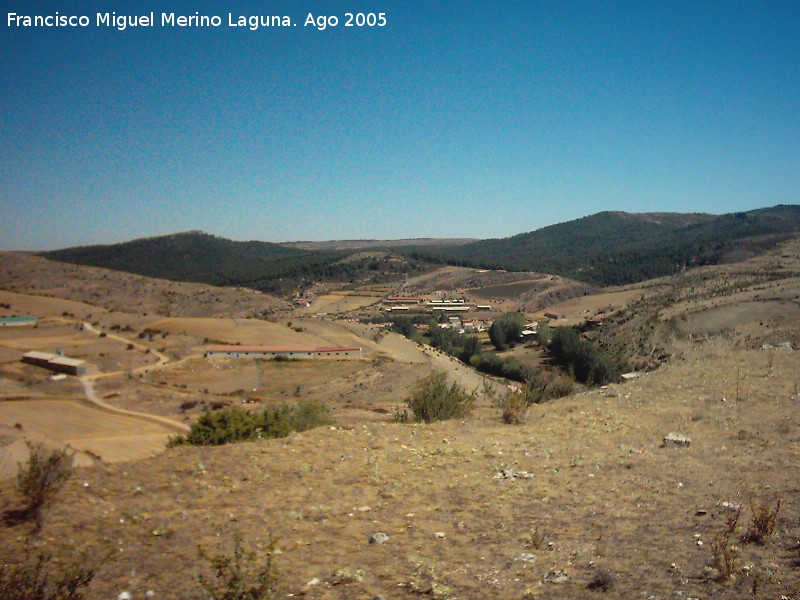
(525, 557)
(676, 439)
(555, 577)
(124, 596)
(439, 535)
(378, 538)
(701, 513)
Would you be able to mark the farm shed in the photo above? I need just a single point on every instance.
(55, 362)
(283, 351)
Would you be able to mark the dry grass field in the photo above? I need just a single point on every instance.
(605, 500)
(339, 303)
(109, 436)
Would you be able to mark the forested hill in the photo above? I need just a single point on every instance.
(194, 256)
(201, 257)
(611, 248)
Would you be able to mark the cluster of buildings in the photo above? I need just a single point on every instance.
(285, 352)
(418, 304)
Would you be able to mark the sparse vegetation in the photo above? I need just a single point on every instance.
(514, 404)
(725, 553)
(234, 424)
(241, 575)
(764, 520)
(436, 400)
(602, 580)
(40, 577)
(41, 477)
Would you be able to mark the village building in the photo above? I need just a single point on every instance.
(404, 300)
(283, 352)
(57, 362)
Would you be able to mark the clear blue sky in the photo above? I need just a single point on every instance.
(456, 119)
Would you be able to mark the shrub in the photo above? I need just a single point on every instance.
(435, 400)
(602, 580)
(726, 555)
(765, 518)
(39, 480)
(586, 362)
(41, 578)
(513, 407)
(235, 424)
(238, 576)
(515, 403)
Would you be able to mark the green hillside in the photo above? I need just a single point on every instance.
(611, 248)
(200, 257)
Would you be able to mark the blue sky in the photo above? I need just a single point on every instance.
(455, 119)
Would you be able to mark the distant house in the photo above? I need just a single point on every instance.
(404, 300)
(17, 321)
(397, 309)
(283, 351)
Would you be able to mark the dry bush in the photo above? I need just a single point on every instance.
(726, 555)
(603, 580)
(240, 576)
(765, 518)
(42, 578)
(514, 406)
(40, 478)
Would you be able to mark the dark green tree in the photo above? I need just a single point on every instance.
(506, 329)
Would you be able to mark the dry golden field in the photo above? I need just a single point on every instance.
(603, 496)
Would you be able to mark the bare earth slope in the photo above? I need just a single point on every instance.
(115, 290)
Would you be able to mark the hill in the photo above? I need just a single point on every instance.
(264, 266)
(377, 244)
(613, 248)
(112, 290)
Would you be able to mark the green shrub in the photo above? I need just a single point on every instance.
(235, 424)
(586, 362)
(435, 400)
(42, 476)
